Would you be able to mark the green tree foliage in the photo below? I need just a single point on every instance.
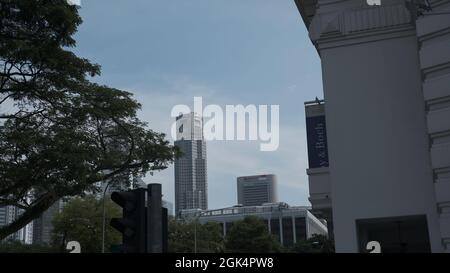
(60, 133)
(18, 247)
(316, 244)
(81, 220)
(250, 236)
(182, 237)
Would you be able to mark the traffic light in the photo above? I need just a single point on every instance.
(133, 224)
(144, 224)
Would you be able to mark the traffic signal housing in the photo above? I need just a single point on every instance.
(133, 223)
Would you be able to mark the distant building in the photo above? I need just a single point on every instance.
(169, 206)
(9, 214)
(108, 187)
(257, 190)
(139, 183)
(43, 226)
(288, 224)
(6, 215)
(191, 189)
(29, 233)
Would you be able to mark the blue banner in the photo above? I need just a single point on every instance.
(317, 142)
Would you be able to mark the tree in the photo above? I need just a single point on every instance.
(62, 133)
(18, 247)
(81, 220)
(250, 236)
(182, 237)
(316, 244)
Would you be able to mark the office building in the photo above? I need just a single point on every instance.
(386, 73)
(288, 224)
(29, 233)
(169, 206)
(191, 188)
(9, 214)
(107, 187)
(6, 215)
(257, 189)
(43, 226)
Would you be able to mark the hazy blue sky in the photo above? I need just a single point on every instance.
(227, 51)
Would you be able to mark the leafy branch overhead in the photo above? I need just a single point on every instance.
(60, 133)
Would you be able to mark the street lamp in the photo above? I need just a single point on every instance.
(104, 217)
(189, 217)
(196, 217)
(195, 235)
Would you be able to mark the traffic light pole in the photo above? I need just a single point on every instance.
(104, 216)
(154, 219)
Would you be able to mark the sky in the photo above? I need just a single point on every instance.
(228, 52)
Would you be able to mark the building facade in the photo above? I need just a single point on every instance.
(385, 76)
(191, 186)
(288, 224)
(43, 226)
(257, 189)
(9, 214)
(169, 206)
(433, 32)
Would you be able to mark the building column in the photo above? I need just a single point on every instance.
(294, 232)
(280, 221)
(434, 38)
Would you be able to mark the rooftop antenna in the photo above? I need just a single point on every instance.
(318, 101)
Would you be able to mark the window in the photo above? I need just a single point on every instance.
(288, 232)
(395, 235)
(300, 228)
(275, 228)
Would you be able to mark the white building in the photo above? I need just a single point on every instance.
(288, 224)
(191, 185)
(386, 74)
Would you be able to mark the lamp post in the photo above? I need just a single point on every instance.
(196, 217)
(195, 235)
(104, 217)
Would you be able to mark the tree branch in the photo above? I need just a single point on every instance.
(29, 215)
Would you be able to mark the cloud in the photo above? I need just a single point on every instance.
(226, 159)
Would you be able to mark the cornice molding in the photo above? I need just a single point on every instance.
(342, 20)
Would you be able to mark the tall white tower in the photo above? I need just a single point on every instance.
(191, 188)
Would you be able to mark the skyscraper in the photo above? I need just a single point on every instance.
(257, 189)
(9, 214)
(43, 226)
(190, 169)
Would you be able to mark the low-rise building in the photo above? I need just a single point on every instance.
(288, 224)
